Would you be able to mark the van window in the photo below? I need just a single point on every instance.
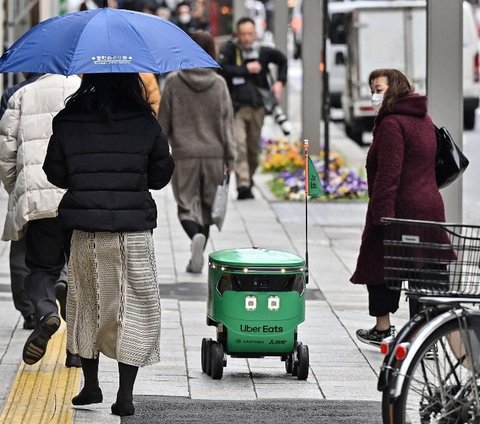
(337, 28)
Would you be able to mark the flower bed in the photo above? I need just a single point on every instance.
(285, 161)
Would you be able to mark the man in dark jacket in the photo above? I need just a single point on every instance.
(245, 66)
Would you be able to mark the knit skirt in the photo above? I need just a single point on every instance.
(113, 300)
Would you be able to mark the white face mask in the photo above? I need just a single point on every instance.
(184, 18)
(377, 100)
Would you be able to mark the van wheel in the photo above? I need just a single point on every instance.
(354, 131)
(469, 119)
(297, 51)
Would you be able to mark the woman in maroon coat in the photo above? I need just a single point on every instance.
(401, 184)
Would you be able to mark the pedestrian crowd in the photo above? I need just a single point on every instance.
(188, 15)
(78, 158)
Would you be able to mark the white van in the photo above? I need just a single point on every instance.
(336, 47)
(341, 79)
(404, 49)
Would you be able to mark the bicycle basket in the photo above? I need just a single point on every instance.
(432, 258)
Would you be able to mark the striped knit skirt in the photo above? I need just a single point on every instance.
(113, 301)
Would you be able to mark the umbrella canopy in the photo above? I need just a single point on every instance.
(104, 40)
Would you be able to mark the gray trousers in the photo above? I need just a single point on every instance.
(247, 128)
(194, 184)
(18, 272)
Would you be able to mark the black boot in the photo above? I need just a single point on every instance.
(123, 406)
(88, 396)
(91, 392)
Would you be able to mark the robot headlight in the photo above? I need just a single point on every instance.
(273, 303)
(250, 303)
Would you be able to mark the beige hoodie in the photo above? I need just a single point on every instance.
(196, 115)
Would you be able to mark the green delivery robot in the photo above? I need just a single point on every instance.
(256, 299)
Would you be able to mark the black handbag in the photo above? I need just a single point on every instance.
(450, 162)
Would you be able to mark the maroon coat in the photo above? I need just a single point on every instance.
(401, 179)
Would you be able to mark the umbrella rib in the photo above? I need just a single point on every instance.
(26, 39)
(140, 35)
(94, 13)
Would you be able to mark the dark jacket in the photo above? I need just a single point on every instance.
(401, 179)
(241, 84)
(108, 169)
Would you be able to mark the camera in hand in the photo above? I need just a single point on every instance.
(282, 120)
(273, 108)
(269, 101)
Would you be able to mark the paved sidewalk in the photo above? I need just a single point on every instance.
(341, 369)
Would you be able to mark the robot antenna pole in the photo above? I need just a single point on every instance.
(305, 150)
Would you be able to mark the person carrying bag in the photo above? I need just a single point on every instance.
(197, 115)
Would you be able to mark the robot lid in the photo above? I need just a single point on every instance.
(256, 258)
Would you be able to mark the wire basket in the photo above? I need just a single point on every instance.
(432, 258)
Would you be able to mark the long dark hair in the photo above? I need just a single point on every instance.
(106, 94)
(398, 86)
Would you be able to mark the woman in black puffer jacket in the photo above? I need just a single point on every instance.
(107, 150)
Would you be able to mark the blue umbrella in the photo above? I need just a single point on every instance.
(104, 40)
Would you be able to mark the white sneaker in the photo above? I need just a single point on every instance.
(196, 261)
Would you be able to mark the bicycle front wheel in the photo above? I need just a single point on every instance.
(439, 387)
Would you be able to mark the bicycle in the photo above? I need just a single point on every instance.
(431, 369)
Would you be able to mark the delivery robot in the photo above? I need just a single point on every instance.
(256, 300)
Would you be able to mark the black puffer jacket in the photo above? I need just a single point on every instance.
(108, 169)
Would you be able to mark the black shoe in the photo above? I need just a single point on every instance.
(245, 193)
(36, 344)
(88, 396)
(123, 409)
(29, 322)
(373, 336)
(61, 296)
(72, 360)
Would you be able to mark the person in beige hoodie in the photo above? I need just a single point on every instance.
(196, 114)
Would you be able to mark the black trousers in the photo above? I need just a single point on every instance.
(45, 257)
(18, 273)
(382, 300)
